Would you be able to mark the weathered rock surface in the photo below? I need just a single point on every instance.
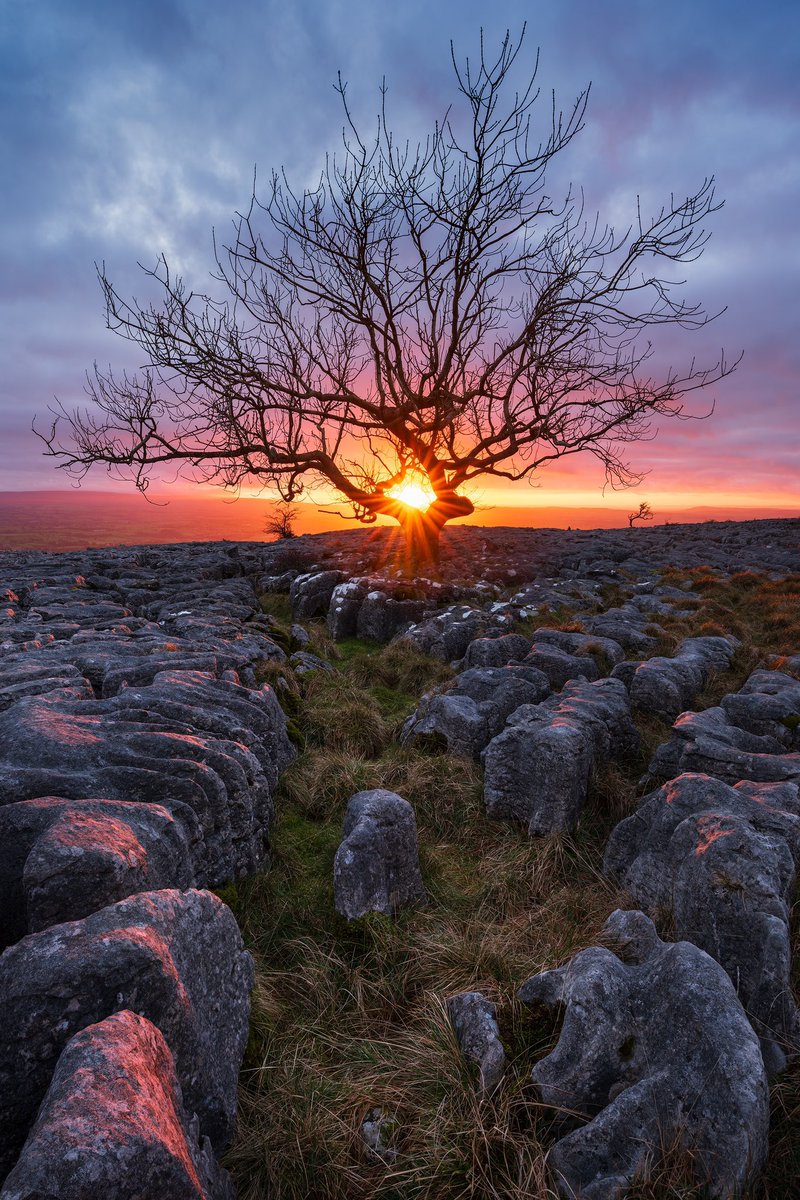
(113, 1124)
(582, 644)
(224, 744)
(345, 605)
(310, 594)
(537, 769)
(136, 753)
(654, 1051)
(447, 635)
(666, 686)
(475, 1024)
(767, 704)
(476, 708)
(559, 665)
(63, 859)
(173, 957)
(708, 743)
(376, 868)
(382, 616)
(626, 625)
(496, 651)
(722, 862)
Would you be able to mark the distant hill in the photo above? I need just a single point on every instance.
(74, 519)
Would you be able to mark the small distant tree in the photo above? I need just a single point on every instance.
(643, 513)
(281, 521)
(422, 316)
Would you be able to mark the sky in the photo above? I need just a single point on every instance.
(134, 128)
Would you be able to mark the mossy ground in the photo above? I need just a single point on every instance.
(349, 1017)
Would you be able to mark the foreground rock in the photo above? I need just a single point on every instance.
(63, 859)
(173, 957)
(538, 769)
(474, 1020)
(113, 1124)
(476, 708)
(722, 861)
(212, 745)
(376, 868)
(655, 1052)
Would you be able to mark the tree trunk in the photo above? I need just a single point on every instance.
(421, 540)
(422, 529)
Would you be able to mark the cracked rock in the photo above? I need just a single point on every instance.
(722, 862)
(654, 1051)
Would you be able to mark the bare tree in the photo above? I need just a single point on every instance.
(425, 314)
(281, 521)
(643, 513)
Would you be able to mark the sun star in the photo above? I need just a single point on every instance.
(413, 493)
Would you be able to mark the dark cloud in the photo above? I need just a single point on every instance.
(131, 128)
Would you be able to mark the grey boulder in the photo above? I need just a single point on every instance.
(447, 635)
(310, 594)
(376, 868)
(581, 644)
(537, 770)
(707, 742)
(496, 651)
(381, 616)
(173, 957)
(113, 1124)
(63, 859)
(343, 609)
(476, 708)
(722, 862)
(665, 687)
(654, 1051)
(767, 704)
(559, 665)
(474, 1021)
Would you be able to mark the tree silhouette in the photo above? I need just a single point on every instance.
(425, 314)
(281, 522)
(643, 513)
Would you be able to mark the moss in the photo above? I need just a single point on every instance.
(229, 894)
(296, 735)
(276, 604)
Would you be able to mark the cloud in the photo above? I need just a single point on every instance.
(134, 128)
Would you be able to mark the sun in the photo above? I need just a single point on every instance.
(415, 492)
